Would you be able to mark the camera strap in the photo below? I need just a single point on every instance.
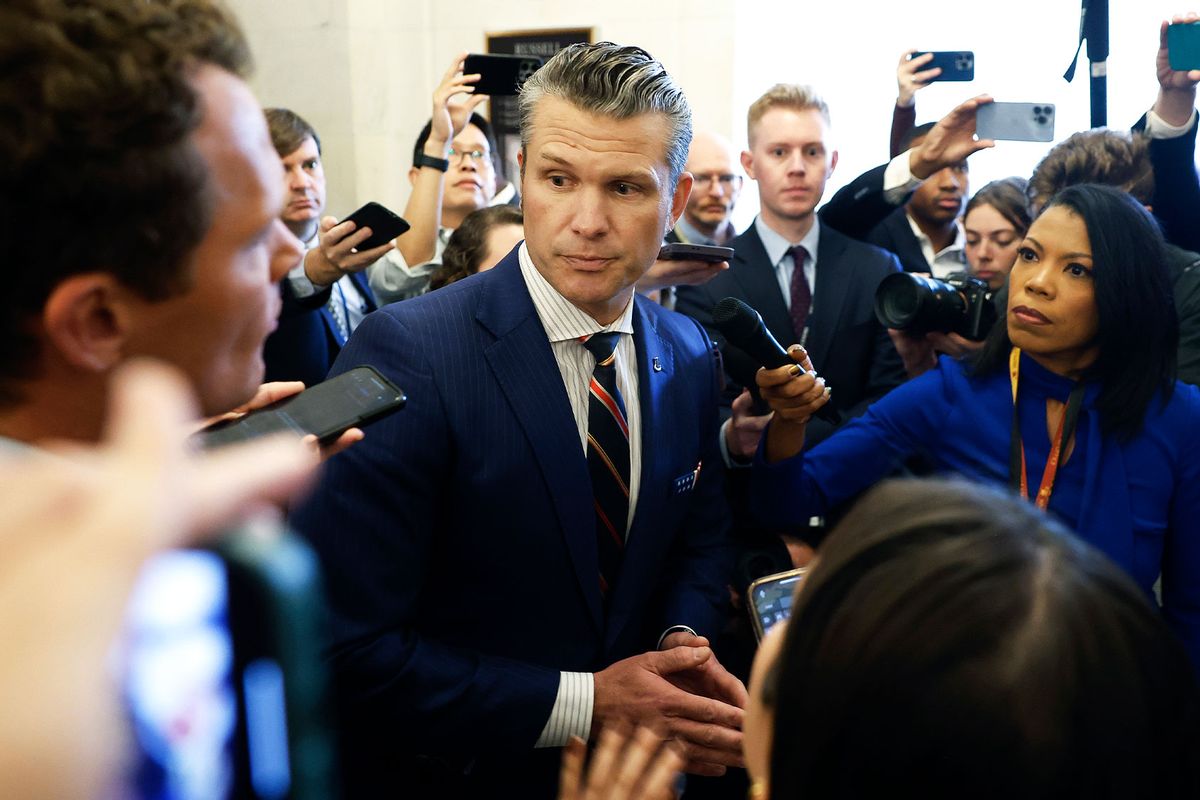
(1066, 427)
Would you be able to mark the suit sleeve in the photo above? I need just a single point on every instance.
(374, 520)
(1176, 187)
(858, 206)
(702, 561)
(1187, 306)
(1181, 552)
(858, 455)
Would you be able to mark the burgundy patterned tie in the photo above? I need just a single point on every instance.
(607, 456)
(801, 294)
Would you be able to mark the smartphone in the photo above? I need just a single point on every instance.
(222, 675)
(1183, 45)
(1023, 122)
(678, 251)
(500, 74)
(385, 225)
(354, 398)
(957, 65)
(771, 599)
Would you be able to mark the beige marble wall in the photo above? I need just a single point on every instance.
(362, 71)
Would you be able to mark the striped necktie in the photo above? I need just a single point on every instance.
(607, 456)
(801, 300)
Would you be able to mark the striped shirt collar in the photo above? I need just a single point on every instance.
(560, 318)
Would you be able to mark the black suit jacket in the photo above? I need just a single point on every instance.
(305, 344)
(1176, 201)
(848, 346)
(895, 235)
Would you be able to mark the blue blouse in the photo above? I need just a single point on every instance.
(1138, 502)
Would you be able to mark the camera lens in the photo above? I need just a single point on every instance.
(919, 304)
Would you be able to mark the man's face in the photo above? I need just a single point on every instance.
(790, 158)
(214, 331)
(938, 201)
(471, 180)
(716, 186)
(597, 197)
(304, 179)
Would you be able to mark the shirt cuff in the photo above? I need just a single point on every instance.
(673, 629)
(302, 287)
(392, 279)
(726, 456)
(572, 711)
(898, 180)
(1158, 128)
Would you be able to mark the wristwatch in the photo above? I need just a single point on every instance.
(425, 160)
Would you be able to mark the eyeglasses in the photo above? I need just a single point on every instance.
(473, 155)
(728, 182)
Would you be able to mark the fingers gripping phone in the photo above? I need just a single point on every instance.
(679, 251)
(1023, 122)
(771, 599)
(356, 397)
(500, 75)
(385, 225)
(956, 65)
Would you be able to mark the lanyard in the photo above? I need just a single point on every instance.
(1065, 428)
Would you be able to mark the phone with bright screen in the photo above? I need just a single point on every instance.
(770, 599)
(221, 674)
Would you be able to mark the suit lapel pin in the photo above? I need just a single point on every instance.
(656, 364)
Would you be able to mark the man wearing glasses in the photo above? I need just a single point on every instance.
(452, 175)
(717, 184)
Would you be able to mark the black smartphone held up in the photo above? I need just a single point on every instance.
(771, 599)
(500, 74)
(356, 397)
(1020, 122)
(385, 225)
(957, 65)
(679, 251)
(222, 673)
(1183, 45)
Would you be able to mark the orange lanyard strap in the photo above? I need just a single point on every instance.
(1065, 428)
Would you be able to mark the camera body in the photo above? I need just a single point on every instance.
(920, 304)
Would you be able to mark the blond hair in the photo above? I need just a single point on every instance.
(797, 97)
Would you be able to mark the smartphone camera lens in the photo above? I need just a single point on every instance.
(964, 63)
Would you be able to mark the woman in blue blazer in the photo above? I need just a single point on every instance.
(1072, 402)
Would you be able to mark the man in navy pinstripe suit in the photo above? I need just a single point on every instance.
(472, 635)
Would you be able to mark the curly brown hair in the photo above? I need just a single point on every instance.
(98, 171)
(468, 243)
(1107, 157)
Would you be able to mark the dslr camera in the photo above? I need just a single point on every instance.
(919, 304)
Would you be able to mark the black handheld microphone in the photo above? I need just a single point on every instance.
(743, 327)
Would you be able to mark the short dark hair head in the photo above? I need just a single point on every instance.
(953, 641)
(613, 81)
(914, 133)
(289, 130)
(97, 168)
(1112, 158)
(1139, 329)
(1008, 196)
(478, 122)
(468, 244)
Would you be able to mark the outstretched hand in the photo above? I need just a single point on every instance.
(950, 141)
(626, 766)
(910, 78)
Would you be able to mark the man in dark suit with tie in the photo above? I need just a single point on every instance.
(326, 295)
(811, 284)
(537, 545)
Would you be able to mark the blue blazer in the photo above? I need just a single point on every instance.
(306, 342)
(458, 539)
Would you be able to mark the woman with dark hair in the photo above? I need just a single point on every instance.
(952, 641)
(484, 238)
(1072, 402)
(995, 222)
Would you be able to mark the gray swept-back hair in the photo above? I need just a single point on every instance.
(614, 81)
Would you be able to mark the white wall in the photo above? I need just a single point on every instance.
(362, 71)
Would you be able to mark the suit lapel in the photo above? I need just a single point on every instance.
(525, 368)
(656, 369)
(755, 274)
(829, 296)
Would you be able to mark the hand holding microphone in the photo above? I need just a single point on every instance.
(787, 381)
